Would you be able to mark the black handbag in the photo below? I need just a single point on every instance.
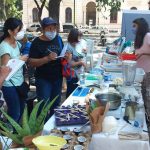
(22, 90)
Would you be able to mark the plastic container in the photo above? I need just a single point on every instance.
(139, 76)
(139, 119)
(124, 56)
(129, 71)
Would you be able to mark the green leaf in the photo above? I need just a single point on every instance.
(33, 116)
(4, 127)
(14, 124)
(25, 125)
(43, 115)
(15, 137)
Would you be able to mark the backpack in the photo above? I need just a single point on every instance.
(67, 71)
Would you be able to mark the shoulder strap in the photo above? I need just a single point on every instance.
(12, 82)
(20, 47)
(60, 42)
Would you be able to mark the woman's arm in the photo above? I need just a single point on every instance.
(4, 71)
(37, 62)
(34, 62)
(4, 59)
(79, 63)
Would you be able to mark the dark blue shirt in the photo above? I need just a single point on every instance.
(50, 71)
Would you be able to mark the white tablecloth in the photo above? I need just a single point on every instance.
(100, 141)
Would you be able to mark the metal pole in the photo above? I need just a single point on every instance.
(74, 12)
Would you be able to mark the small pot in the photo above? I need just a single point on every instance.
(113, 98)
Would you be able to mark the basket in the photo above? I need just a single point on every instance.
(127, 56)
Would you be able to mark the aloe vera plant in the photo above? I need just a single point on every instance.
(31, 125)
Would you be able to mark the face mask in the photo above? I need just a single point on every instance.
(134, 30)
(50, 35)
(19, 36)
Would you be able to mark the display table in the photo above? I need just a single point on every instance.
(100, 140)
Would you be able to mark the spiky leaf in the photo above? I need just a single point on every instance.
(43, 115)
(33, 116)
(15, 137)
(26, 129)
(14, 124)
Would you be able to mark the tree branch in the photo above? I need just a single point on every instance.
(37, 4)
(43, 4)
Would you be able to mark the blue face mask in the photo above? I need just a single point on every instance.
(134, 30)
(50, 35)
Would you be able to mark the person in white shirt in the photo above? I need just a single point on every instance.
(81, 46)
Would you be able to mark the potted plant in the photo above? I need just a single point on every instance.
(30, 127)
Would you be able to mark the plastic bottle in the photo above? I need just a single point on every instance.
(82, 76)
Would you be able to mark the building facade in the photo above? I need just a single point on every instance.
(83, 12)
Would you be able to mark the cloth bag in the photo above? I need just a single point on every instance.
(22, 90)
(96, 117)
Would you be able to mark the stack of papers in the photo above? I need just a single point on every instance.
(15, 65)
(130, 132)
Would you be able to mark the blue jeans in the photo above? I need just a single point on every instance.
(14, 103)
(48, 90)
(71, 86)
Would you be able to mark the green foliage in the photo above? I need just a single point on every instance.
(109, 4)
(9, 8)
(30, 125)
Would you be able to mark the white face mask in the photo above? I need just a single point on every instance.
(50, 35)
(20, 35)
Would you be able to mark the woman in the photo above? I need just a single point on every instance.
(43, 56)
(142, 50)
(81, 46)
(76, 62)
(9, 49)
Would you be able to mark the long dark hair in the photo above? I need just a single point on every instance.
(10, 24)
(142, 29)
(73, 36)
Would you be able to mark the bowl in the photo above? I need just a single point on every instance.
(113, 98)
(78, 147)
(81, 139)
(49, 142)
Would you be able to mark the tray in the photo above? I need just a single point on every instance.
(75, 115)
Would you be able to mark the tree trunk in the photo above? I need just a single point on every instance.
(40, 8)
(39, 15)
(54, 7)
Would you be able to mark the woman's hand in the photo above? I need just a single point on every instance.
(83, 64)
(24, 58)
(84, 51)
(68, 56)
(52, 56)
(138, 56)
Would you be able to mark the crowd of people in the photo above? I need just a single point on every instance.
(52, 60)
(42, 54)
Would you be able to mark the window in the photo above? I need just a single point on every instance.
(35, 14)
(133, 8)
(68, 15)
(38, 26)
(113, 15)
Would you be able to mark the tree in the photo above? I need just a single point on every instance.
(9, 8)
(109, 4)
(40, 8)
(54, 6)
